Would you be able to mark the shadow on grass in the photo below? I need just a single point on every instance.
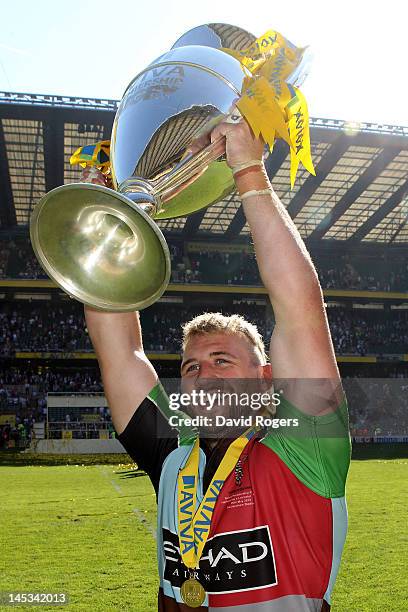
(16, 459)
(131, 474)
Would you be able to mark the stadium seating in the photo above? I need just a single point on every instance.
(364, 272)
(28, 326)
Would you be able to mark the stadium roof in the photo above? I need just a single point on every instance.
(359, 193)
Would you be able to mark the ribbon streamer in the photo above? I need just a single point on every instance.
(272, 106)
(95, 155)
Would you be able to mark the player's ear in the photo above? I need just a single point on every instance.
(267, 371)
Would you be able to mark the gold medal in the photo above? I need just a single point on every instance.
(192, 545)
(192, 593)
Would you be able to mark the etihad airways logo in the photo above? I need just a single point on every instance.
(231, 562)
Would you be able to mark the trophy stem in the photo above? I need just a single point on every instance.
(140, 192)
(150, 196)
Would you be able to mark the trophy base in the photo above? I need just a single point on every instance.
(101, 247)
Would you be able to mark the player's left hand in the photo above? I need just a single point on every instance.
(94, 176)
(240, 144)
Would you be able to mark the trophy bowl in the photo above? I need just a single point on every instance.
(103, 246)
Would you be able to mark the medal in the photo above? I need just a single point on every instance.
(192, 593)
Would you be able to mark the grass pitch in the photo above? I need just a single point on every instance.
(88, 530)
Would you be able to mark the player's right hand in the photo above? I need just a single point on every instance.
(94, 176)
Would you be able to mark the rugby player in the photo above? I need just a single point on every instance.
(279, 521)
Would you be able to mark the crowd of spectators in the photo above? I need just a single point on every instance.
(374, 332)
(17, 260)
(377, 407)
(59, 327)
(30, 327)
(23, 394)
(23, 400)
(16, 434)
(45, 329)
(353, 333)
(4, 255)
(345, 275)
(219, 267)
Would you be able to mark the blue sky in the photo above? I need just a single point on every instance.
(94, 48)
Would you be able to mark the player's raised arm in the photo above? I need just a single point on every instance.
(127, 374)
(301, 346)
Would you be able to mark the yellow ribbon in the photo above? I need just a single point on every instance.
(262, 110)
(299, 133)
(271, 106)
(254, 56)
(194, 526)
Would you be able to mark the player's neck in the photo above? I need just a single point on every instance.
(211, 443)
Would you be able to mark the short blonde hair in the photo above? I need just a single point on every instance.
(213, 322)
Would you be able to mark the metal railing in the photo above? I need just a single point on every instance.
(81, 430)
(8, 97)
(29, 99)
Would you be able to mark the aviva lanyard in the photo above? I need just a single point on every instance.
(194, 527)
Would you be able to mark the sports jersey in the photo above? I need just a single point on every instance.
(279, 524)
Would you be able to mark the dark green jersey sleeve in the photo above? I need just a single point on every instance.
(317, 450)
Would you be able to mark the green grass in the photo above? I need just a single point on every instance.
(87, 530)
(68, 529)
(373, 573)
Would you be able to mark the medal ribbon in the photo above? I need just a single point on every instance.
(194, 526)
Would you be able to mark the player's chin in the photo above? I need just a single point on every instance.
(220, 432)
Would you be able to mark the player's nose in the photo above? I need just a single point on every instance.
(207, 371)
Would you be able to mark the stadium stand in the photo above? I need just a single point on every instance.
(379, 273)
(28, 327)
(352, 215)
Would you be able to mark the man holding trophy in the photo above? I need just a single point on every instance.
(256, 522)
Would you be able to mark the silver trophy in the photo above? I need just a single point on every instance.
(103, 246)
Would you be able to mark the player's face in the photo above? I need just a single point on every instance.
(221, 362)
(218, 355)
